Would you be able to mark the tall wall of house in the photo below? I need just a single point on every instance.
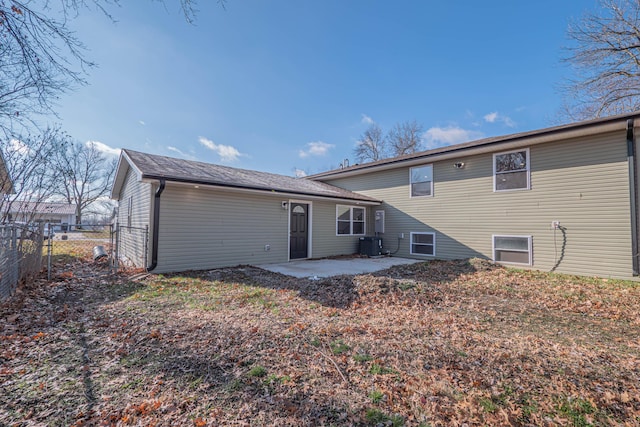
(582, 183)
(134, 216)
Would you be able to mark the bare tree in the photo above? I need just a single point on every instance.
(405, 138)
(31, 171)
(86, 176)
(41, 57)
(606, 60)
(371, 146)
(37, 52)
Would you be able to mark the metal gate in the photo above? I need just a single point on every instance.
(68, 246)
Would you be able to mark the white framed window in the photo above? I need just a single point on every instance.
(423, 243)
(350, 221)
(129, 211)
(421, 178)
(511, 170)
(512, 249)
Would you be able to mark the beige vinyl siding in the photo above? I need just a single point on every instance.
(581, 183)
(131, 241)
(207, 228)
(325, 241)
(204, 228)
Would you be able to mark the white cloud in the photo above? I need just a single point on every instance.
(317, 148)
(497, 117)
(141, 122)
(509, 122)
(103, 148)
(181, 153)
(299, 173)
(367, 120)
(439, 137)
(491, 117)
(17, 146)
(227, 153)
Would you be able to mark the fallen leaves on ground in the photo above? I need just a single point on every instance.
(438, 343)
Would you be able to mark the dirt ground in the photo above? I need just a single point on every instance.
(456, 343)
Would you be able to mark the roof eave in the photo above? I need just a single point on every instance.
(483, 146)
(255, 190)
(124, 163)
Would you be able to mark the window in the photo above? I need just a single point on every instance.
(349, 220)
(129, 211)
(423, 244)
(512, 249)
(511, 170)
(421, 181)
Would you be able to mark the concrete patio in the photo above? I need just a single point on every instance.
(335, 267)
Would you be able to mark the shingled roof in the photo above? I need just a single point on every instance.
(42, 208)
(154, 167)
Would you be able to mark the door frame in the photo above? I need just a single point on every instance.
(309, 203)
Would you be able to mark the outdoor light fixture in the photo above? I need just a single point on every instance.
(285, 204)
(458, 165)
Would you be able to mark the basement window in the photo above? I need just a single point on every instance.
(511, 170)
(512, 249)
(423, 243)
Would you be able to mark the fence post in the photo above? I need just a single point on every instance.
(49, 247)
(116, 256)
(14, 237)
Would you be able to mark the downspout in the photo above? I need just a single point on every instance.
(633, 196)
(156, 226)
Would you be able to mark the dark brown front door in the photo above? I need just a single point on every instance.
(298, 234)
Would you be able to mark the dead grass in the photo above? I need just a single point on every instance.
(439, 343)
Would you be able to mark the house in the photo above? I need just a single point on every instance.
(202, 216)
(60, 215)
(558, 199)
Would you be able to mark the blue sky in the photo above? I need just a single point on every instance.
(280, 86)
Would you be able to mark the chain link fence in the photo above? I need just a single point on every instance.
(63, 249)
(68, 246)
(120, 246)
(21, 249)
(131, 247)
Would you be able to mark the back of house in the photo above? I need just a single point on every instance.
(559, 199)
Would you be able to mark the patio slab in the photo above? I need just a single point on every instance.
(335, 267)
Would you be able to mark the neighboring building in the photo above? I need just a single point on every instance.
(60, 215)
(558, 199)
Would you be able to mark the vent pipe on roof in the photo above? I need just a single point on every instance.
(633, 194)
(156, 226)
